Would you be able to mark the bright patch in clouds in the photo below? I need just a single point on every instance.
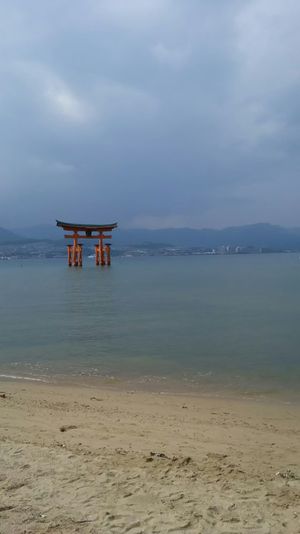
(67, 104)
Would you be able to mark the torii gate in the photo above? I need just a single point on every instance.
(88, 231)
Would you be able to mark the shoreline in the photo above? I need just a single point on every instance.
(106, 460)
(160, 385)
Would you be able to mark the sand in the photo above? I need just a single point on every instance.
(95, 460)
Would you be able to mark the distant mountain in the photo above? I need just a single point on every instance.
(40, 232)
(261, 235)
(256, 235)
(7, 236)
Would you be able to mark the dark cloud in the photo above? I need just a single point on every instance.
(153, 112)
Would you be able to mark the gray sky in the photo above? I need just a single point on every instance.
(155, 113)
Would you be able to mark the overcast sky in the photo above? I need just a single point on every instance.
(155, 113)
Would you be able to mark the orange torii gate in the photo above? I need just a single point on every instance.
(88, 231)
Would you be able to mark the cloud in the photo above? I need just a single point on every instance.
(54, 92)
(169, 112)
(131, 13)
(154, 222)
(119, 101)
(267, 44)
(174, 57)
(65, 103)
(51, 167)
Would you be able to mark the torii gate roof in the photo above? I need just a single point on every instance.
(87, 227)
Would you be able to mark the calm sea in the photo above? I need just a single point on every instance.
(220, 322)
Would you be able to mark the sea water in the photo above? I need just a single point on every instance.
(223, 322)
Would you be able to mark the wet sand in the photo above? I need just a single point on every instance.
(96, 460)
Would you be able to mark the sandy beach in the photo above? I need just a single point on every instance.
(97, 460)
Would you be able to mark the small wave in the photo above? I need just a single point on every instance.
(15, 377)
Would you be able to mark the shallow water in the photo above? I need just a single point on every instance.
(218, 321)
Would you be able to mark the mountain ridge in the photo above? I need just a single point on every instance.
(264, 235)
(9, 237)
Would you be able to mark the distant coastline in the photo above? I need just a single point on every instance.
(45, 241)
(51, 251)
